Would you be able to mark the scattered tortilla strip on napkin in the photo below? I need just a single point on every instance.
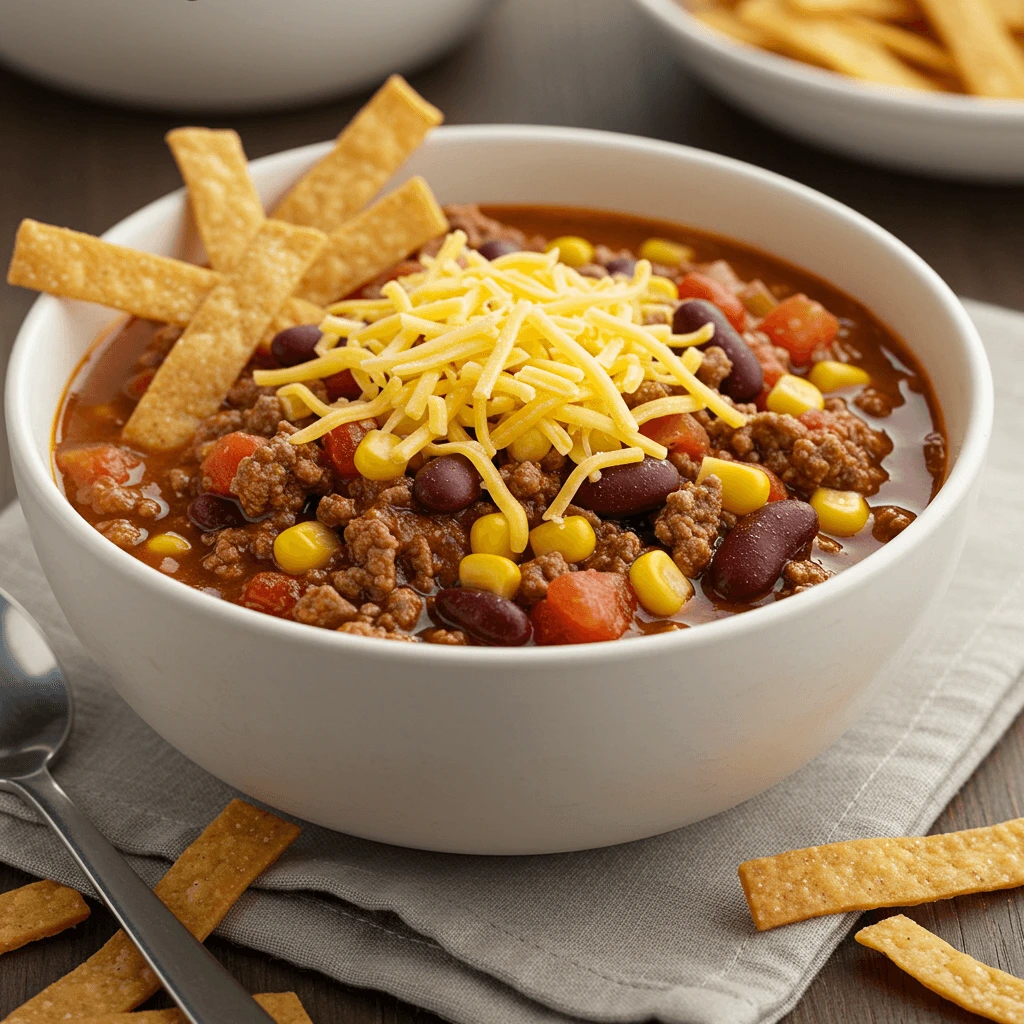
(200, 888)
(38, 911)
(284, 1007)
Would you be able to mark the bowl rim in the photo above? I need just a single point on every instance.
(869, 95)
(37, 473)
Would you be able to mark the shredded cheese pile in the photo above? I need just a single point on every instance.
(505, 346)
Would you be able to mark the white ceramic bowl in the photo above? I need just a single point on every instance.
(521, 750)
(226, 54)
(934, 133)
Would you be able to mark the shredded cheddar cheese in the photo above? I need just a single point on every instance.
(503, 347)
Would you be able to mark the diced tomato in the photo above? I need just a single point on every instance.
(341, 444)
(221, 465)
(772, 366)
(700, 286)
(800, 325)
(342, 385)
(679, 432)
(583, 608)
(271, 592)
(778, 491)
(90, 463)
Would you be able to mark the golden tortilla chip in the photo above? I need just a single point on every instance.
(38, 911)
(911, 46)
(955, 976)
(375, 143)
(224, 200)
(205, 362)
(375, 240)
(284, 1007)
(989, 60)
(863, 874)
(200, 888)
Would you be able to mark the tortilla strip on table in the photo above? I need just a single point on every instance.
(199, 888)
(372, 146)
(376, 239)
(224, 200)
(284, 1007)
(38, 911)
(197, 374)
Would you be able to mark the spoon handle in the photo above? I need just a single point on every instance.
(200, 986)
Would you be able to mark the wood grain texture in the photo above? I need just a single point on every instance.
(597, 64)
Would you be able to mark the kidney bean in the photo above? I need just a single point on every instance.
(629, 490)
(210, 512)
(745, 381)
(295, 345)
(750, 560)
(495, 247)
(486, 617)
(621, 265)
(447, 484)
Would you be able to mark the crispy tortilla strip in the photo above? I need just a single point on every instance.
(376, 239)
(284, 1007)
(196, 376)
(725, 21)
(988, 58)
(374, 144)
(886, 10)
(200, 888)
(830, 43)
(224, 200)
(911, 46)
(38, 911)
(955, 976)
(1012, 13)
(867, 873)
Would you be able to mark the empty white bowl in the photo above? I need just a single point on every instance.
(935, 133)
(519, 750)
(226, 54)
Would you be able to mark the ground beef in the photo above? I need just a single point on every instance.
(553, 462)
(714, 367)
(121, 532)
(593, 270)
(402, 610)
(334, 510)
(372, 549)
(802, 575)
(227, 557)
(179, 481)
(365, 629)
(649, 391)
(890, 521)
(245, 393)
(106, 497)
(324, 607)
(774, 359)
(828, 544)
(537, 574)
(935, 454)
(528, 482)
(217, 425)
(480, 228)
(688, 469)
(445, 637)
(159, 346)
(280, 476)
(688, 524)
(367, 493)
(263, 417)
(616, 549)
(874, 403)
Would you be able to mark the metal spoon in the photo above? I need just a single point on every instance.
(35, 719)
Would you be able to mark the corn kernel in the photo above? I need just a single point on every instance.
(830, 375)
(794, 395)
(495, 573)
(530, 447)
(744, 488)
(659, 583)
(168, 544)
(573, 251)
(573, 538)
(840, 513)
(662, 288)
(668, 254)
(373, 456)
(489, 535)
(305, 546)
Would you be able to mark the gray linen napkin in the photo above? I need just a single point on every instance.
(656, 929)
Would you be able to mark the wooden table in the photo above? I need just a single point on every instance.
(592, 63)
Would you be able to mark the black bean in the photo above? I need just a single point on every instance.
(295, 345)
(746, 379)
(486, 617)
(495, 247)
(621, 265)
(629, 490)
(750, 560)
(447, 484)
(211, 512)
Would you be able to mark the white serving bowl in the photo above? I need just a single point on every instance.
(934, 133)
(226, 54)
(522, 750)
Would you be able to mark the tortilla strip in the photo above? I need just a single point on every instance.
(1012, 13)
(38, 911)
(196, 376)
(224, 200)
(864, 874)
(988, 58)
(200, 888)
(886, 10)
(910, 46)
(955, 976)
(284, 1007)
(374, 144)
(376, 239)
(725, 21)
